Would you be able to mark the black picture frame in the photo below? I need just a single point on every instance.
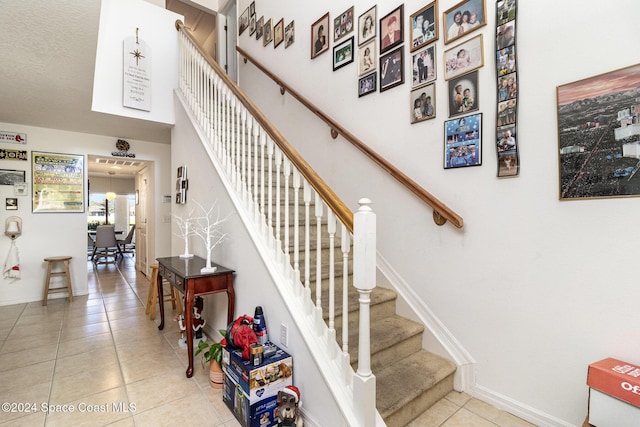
(343, 54)
(10, 176)
(368, 84)
(392, 69)
(392, 24)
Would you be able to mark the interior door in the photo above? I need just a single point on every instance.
(142, 221)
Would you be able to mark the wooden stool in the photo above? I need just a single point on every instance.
(152, 297)
(47, 283)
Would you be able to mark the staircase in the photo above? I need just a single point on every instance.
(409, 379)
(315, 246)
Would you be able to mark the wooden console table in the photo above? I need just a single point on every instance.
(184, 274)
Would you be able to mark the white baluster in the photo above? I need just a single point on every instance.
(318, 209)
(270, 147)
(277, 203)
(346, 248)
(296, 227)
(306, 195)
(331, 229)
(287, 210)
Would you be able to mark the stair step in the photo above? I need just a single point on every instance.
(392, 338)
(407, 387)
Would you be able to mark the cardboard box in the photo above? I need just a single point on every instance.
(250, 392)
(614, 394)
(249, 412)
(275, 372)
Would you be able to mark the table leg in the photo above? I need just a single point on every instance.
(160, 300)
(188, 323)
(231, 296)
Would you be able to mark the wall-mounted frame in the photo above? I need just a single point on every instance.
(392, 69)
(343, 24)
(319, 39)
(424, 66)
(343, 54)
(464, 94)
(465, 57)
(367, 26)
(259, 28)
(423, 103)
(57, 182)
(598, 132)
(268, 33)
(367, 58)
(463, 142)
(11, 203)
(392, 29)
(367, 84)
(463, 18)
(10, 177)
(289, 34)
(21, 188)
(424, 26)
(278, 33)
(243, 21)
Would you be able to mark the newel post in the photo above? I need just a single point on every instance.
(364, 280)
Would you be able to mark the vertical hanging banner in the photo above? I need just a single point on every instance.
(506, 65)
(136, 74)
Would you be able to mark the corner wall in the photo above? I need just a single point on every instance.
(534, 288)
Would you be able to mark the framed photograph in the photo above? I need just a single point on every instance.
(11, 177)
(20, 188)
(278, 33)
(506, 11)
(424, 26)
(423, 103)
(391, 69)
(367, 84)
(252, 8)
(463, 18)
(506, 60)
(11, 203)
(57, 182)
(598, 135)
(423, 66)
(259, 28)
(343, 24)
(343, 54)
(507, 87)
(268, 34)
(392, 29)
(252, 24)
(507, 112)
(463, 142)
(367, 26)
(289, 34)
(464, 95)
(243, 21)
(465, 57)
(506, 35)
(319, 39)
(367, 58)
(506, 141)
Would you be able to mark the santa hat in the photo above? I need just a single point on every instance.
(293, 391)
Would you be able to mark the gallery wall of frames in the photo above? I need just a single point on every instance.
(374, 41)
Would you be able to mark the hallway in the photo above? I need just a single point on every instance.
(102, 357)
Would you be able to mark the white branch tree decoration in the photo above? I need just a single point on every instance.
(186, 229)
(208, 229)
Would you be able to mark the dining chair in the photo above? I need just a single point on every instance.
(106, 245)
(126, 245)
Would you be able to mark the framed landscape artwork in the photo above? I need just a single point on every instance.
(599, 135)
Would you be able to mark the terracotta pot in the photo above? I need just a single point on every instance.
(216, 377)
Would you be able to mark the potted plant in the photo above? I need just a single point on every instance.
(212, 353)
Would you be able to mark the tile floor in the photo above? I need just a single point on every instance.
(102, 357)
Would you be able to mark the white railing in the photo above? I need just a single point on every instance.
(298, 219)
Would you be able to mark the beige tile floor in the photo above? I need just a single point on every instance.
(102, 357)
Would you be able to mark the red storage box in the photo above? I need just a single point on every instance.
(614, 395)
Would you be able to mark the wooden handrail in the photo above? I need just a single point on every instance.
(342, 212)
(441, 213)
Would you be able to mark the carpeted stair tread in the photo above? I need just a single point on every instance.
(409, 378)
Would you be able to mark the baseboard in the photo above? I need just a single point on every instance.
(465, 374)
(516, 408)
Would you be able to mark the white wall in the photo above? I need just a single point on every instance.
(534, 288)
(54, 234)
(252, 282)
(118, 21)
